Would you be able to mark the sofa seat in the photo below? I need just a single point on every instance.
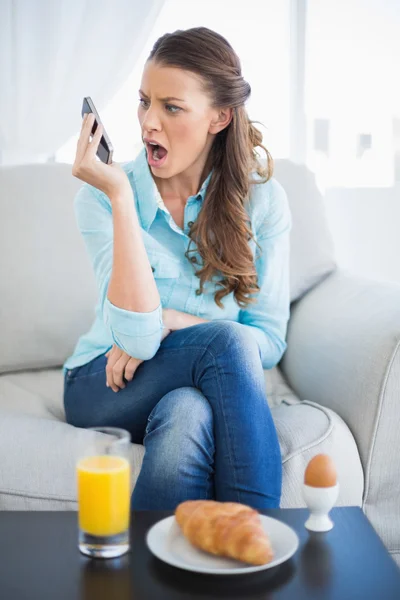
(39, 472)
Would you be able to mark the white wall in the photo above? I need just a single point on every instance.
(365, 226)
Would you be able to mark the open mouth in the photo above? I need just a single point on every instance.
(156, 152)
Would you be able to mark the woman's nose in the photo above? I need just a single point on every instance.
(151, 120)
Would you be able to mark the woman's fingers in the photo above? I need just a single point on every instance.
(131, 367)
(94, 144)
(119, 369)
(110, 378)
(86, 129)
(115, 354)
(120, 366)
(115, 369)
(83, 140)
(85, 147)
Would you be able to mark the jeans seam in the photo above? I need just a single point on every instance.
(73, 377)
(231, 450)
(209, 475)
(209, 451)
(149, 420)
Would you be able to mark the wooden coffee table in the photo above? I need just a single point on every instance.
(39, 560)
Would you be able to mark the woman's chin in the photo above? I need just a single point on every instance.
(163, 172)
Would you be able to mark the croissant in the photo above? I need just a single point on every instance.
(225, 529)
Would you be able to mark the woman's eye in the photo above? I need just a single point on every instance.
(177, 109)
(170, 107)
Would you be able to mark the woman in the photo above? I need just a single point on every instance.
(165, 358)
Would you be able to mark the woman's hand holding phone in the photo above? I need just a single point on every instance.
(110, 179)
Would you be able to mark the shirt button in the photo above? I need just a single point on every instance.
(193, 259)
(190, 223)
(198, 292)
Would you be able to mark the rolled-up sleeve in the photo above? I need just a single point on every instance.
(136, 333)
(267, 319)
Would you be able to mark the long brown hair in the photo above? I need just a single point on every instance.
(223, 229)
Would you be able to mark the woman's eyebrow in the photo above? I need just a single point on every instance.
(167, 99)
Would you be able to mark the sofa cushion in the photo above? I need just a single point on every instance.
(48, 293)
(312, 256)
(39, 473)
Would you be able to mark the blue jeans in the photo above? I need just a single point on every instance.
(199, 408)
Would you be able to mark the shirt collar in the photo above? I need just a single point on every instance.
(148, 196)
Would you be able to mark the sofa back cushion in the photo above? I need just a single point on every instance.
(48, 291)
(312, 255)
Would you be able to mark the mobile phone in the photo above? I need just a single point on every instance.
(105, 149)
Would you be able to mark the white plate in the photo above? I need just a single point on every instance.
(166, 541)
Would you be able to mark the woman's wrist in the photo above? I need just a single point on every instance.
(165, 332)
(121, 195)
(175, 319)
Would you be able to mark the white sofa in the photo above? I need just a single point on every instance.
(336, 390)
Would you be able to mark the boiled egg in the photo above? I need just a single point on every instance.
(321, 472)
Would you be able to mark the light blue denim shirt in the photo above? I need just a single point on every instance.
(139, 334)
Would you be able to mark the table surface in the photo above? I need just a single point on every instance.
(40, 560)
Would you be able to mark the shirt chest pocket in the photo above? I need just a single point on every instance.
(166, 271)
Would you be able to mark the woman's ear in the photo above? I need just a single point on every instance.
(222, 120)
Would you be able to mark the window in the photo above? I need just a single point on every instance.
(353, 92)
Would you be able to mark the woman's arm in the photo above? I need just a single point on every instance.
(106, 215)
(138, 333)
(132, 285)
(175, 319)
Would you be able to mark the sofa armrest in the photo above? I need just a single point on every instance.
(343, 352)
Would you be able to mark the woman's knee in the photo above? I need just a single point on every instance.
(185, 408)
(229, 336)
(180, 434)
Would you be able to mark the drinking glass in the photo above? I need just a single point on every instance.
(103, 482)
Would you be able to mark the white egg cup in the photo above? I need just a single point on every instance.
(320, 500)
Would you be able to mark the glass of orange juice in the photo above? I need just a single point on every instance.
(103, 482)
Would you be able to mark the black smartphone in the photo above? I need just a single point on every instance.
(105, 149)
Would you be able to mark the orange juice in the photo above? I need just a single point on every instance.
(103, 494)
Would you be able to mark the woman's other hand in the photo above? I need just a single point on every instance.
(168, 316)
(176, 319)
(110, 179)
(120, 365)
